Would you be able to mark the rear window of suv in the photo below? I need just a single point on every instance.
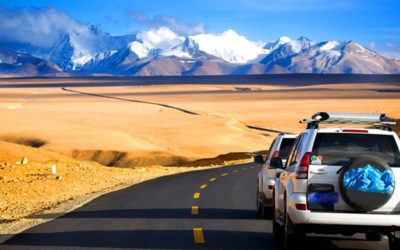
(286, 146)
(338, 148)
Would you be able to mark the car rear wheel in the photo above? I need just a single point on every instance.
(258, 203)
(266, 212)
(276, 228)
(289, 236)
(292, 238)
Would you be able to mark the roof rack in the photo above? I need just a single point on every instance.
(377, 120)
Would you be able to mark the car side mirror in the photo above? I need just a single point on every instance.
(259, 159)
(276, 162)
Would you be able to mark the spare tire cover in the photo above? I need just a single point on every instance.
(366, 183)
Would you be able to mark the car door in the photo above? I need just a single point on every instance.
(290, 165)
(264, 170)
(293, 159)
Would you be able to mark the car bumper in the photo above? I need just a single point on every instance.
(337, 218)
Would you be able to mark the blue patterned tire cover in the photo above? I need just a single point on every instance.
(366, 183)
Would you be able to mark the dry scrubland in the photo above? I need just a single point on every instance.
(81, 134)
(43, 184)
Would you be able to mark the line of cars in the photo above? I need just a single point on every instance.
(333, 180)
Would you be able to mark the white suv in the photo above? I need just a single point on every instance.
(340, 180)
(280, 147)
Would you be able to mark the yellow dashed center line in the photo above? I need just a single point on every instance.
(203, 186)
(196, 195)
(198, 235)
(195, 210)
(252, 167)
(244, 169)
(224, 174)
(212, 179)
(235, 171)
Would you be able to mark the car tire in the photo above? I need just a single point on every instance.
(373, 236)
(276, 228)
(258, 203)
(291, 238)
(394, 243)
(266, 212)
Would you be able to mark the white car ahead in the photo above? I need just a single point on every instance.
(340, 181)
(280, 147)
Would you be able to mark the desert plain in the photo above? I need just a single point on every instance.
(101, 136)
(131, 126)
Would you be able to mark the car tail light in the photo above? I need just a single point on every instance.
(270, 187)
(302, 170)
(355, 131)
(276, 154)
(301, 206)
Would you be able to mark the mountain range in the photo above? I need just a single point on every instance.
(89, 50)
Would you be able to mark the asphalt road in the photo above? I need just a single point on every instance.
(157, 214)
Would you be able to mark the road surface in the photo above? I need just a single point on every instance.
(209, 209)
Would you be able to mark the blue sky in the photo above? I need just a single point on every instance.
(370, 22)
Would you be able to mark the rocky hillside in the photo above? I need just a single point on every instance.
(20, 64)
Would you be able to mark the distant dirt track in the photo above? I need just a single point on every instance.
(131, 100)
(158, 104)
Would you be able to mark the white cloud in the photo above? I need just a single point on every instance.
(178, 26)
(162, 38)
(39, 27)
(142, 50)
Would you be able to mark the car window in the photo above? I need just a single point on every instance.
(286, 146)
(271, 149)
(296, 157)
(289, 160)
(294, 151)
(338, 148)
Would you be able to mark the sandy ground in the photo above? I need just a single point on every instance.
(123, 133)
(117, 132)
(283, 108)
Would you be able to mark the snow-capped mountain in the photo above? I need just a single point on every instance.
(20, 64)
(332, 57)
(142, 50)
(284, 48)
(75, 47)
(228, 46)
(88, 49)
(277, 43)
